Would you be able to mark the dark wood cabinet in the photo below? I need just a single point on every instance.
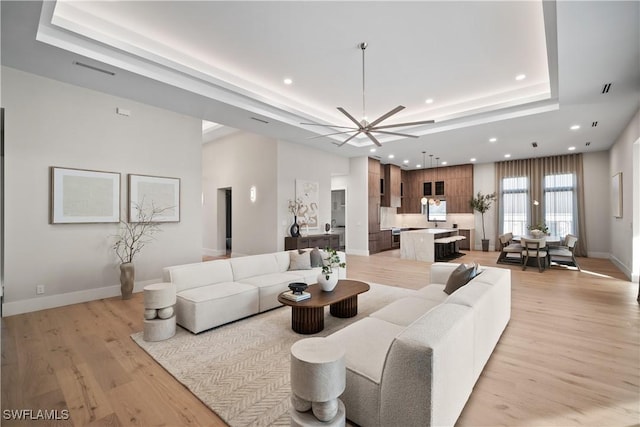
(392, 182)
(453, 183)
(384, 240)
(321, 241)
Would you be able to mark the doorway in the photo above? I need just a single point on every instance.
(224, 225)
(338, 215)
(227, 214)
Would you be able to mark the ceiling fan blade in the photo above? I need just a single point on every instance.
(349, 139)
(423, 122)
(343, 111)
(331, 134)
(393, 133)
(373, 138)
(386, 116)
(330, 126)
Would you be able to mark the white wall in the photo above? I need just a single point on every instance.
(358, 207)
(484, 180)
(622, 231)
(239, 161)
(296, 161)
(49, 123)
(595, 167)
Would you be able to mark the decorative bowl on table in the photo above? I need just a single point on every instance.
(298, 287)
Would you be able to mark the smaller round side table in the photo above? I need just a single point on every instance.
(159, 312)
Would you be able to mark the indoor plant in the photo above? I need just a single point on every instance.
(482, 203)
(130, 240)
(328, 279)
(538, 229)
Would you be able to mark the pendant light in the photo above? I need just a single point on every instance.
(424, 200)
(436, 201)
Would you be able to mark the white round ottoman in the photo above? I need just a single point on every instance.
(318, 377)
(159, 314)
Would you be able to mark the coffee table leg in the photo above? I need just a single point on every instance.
(307, 320)
(345, 308)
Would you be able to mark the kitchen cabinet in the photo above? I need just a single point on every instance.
(374, 203)
(384, 240)
(391, 184)
(453, 183)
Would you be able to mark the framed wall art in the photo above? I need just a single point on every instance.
(616, 195)
(309, 193)
(83, 196)
(154, 192)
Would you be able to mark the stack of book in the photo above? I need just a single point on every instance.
(296, 297)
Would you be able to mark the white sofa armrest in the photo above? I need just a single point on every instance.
(440, 271)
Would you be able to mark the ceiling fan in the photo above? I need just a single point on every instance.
(364, 126)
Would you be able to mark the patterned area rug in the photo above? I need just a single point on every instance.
(241, 370)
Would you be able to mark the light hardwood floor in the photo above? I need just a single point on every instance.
(569, 356)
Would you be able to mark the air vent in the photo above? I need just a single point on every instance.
(534, 144)
(587, 143)
(606, 87)
(594, 124)
(259, 120)
(91, 67)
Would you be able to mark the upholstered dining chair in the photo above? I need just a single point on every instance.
(510, 252)
(534, 248)
(565, 254)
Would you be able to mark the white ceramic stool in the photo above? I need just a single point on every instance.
(159, 313)
(318, 377)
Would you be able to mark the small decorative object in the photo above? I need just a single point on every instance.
(482, 203)
(297, 287)
(327, 227)
(328, 279)
(294, 208)
(130, 240)
(538, 230)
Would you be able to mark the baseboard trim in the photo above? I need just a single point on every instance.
(213, 252)
(60, 300)
(604, 255)
(357, 252)
(626, 270)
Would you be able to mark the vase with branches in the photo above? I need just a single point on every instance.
(294, 207)
(131, 238)
(328, 279)
(482, 203)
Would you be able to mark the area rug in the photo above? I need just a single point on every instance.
(241, 370)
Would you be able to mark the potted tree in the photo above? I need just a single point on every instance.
(482, 203)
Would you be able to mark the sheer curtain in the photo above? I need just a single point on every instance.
(546, 190)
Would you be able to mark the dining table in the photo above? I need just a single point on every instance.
(550, 240)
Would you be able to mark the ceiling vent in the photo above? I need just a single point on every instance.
(587, 143)
(606, 88)
(594, 124)
(534, 144)
(259, 120)
(91, 67)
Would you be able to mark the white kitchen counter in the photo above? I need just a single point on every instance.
(418, 244)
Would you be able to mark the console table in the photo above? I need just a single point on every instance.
(320, 241)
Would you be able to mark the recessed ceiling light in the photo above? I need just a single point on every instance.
(473, 159)
(391, 156)
(418, 166)
(575, 127)
(405, 161)
(521, 77)
(288, 81)
(507, 156)
(429, 101)
(373, 150)
(443, 163)
(493, 139)
(572, 148)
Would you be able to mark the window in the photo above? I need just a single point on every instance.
(560, 204)
(514, 214)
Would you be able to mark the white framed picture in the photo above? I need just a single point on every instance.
(79, 196)
(147, 193)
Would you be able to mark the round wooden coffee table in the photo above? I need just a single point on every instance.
(307, 317)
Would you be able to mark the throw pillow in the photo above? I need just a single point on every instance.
(300, 261)
(316, 258)
(460, 277)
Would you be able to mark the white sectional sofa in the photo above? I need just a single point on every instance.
(415, 361)
(216, 292)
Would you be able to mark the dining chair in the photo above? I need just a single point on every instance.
(534, 248)
(565, 254)
(510, 252)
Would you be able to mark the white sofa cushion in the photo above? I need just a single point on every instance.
(198, 274)
(205, 307)
(434, 292)
(309, 277)
(299, 261)
(254, 265)
(405, 311)
(270, 285)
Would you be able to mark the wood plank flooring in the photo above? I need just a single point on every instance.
(569, 357)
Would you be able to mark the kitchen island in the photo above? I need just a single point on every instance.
(419, 245)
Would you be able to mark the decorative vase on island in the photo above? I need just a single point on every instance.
(329, 284)
(127, 278)
(294, 230)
